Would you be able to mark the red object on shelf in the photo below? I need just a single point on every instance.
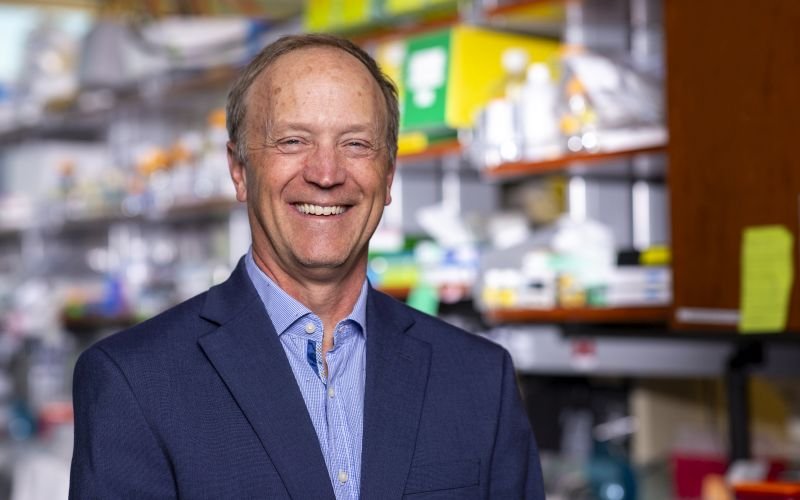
(54, 414)
(690, 470)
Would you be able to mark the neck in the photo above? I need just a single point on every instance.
(331, 298)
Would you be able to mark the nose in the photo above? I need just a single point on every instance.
(324, 167)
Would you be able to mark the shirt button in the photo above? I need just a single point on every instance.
(331, 392)
(342, 476)
(311, 327)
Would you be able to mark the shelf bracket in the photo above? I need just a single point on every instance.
(744, 356)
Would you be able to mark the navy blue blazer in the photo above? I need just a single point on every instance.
(200, 402)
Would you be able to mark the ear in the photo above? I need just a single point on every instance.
(238, 173)
(389, 180)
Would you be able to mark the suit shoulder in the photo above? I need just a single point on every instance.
(180, 321)
(439, 333)
(442, 331)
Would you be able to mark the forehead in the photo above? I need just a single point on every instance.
(314, 71)
(314, 60)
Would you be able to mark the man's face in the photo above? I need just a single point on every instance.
(318, 173)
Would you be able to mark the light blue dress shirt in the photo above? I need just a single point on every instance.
(335, 400)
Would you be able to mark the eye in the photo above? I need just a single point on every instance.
(357, 148)
(291, 145)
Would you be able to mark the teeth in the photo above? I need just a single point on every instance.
(310, 209)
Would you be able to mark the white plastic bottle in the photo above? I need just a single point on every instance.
(499, 128)
(539, 119)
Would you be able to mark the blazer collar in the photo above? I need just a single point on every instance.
(226, 300)
(396, 379)
(247, 354)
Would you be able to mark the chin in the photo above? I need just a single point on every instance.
(320, 263)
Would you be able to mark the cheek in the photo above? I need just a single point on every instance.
(262, 181)
(258, 190)
(252, 187)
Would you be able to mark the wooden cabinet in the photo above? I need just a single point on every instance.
(733, 91)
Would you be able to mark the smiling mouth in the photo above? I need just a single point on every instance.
(309, 209)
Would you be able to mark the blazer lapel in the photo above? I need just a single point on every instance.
(397, 374)
(247, 354)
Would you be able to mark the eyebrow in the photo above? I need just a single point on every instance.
(304, 127)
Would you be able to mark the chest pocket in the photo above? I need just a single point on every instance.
(444, 477)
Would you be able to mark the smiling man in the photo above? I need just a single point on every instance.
(294, 378)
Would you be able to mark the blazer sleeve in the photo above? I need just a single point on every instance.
(116, 453)
(515, 468)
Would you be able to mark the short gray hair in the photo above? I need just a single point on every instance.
(236, 108)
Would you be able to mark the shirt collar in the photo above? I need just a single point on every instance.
(284, 310)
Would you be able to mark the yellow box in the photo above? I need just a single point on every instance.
(448, 76)
(327, 15)
(397, 7)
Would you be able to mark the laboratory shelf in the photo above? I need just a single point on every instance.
(660, 314)
(554, 350)
(577, 164)
(432, 152)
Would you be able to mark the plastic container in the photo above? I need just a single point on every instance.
(538, 102)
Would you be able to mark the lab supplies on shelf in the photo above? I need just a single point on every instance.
(580, 103)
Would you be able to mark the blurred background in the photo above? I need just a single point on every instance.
(608, 188)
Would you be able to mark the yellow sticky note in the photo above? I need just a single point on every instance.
(767, 274)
